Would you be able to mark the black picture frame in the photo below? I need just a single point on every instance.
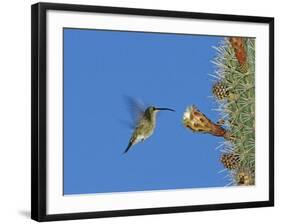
(38, 108)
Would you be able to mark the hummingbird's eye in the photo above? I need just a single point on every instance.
(153, 108)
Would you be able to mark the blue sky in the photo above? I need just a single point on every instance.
(165, 70)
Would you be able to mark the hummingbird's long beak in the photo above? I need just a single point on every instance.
(161, 108)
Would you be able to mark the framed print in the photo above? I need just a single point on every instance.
(138, 111)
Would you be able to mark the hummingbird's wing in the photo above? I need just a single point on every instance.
(136, 108)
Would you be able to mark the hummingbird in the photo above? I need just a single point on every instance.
(145, 125)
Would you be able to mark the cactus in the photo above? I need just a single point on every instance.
(235, 67)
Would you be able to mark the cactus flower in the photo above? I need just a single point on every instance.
(198, 122)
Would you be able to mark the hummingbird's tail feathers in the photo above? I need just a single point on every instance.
(128, 147)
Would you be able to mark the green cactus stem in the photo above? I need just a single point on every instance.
(238, 112)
